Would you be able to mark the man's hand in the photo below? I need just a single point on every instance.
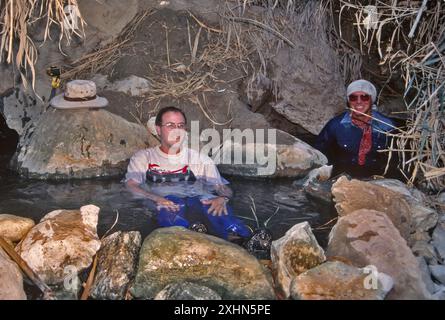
(161, 202)
(217, 206)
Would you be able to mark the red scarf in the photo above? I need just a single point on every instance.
(366, 141)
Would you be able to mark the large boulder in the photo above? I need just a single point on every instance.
(335, 280)
(368, 237)
(64, 241)
(287, 156)
(14, 228)
(11, 279)
(79, 144)
(116, 265)
(423, 218)
(353, 195)
(175, 254)
(294, 253)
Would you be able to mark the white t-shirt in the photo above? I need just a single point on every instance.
(173, 174)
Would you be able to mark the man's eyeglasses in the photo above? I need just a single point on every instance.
(171, 125)
(363, 97)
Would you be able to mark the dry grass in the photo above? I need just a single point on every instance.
(409, 38)
(17, 17)
(105, 57)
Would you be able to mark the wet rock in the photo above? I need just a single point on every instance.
(11, 279)
(368, 237)
(287, 157)
(116, 265)
(438, 273)
(14, 228)
(175, 255)
(187, 291)
(439, 240)
(294, 253)
(334, 280)
(354, 195)
(79, 144)
(62, 244)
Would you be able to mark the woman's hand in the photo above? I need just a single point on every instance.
(217, 206)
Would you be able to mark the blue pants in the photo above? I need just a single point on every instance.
(192, 206)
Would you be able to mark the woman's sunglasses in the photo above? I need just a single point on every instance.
(363, 97)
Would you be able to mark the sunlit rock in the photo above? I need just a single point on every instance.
(62, 244)
(294, 253)
(11, 279)
(187, 291)
(368, 237)
(14, 228)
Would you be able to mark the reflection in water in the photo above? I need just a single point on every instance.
(34, 199)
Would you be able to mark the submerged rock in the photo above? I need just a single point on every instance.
(116, 264)
(368, 237)
(11, 279)
(14, 228)
(63, 243)
(294, 253)
(175, 255)
(334, 280)
(79, 144)
(187, 291)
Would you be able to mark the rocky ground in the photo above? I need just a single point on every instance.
(376, 251)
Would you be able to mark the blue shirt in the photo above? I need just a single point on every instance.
(340, 142)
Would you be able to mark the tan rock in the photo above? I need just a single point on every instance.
(353, 195)
(63, 241)
(368, 237)
(11, 279)
(335, 280)
(294, 253)
(14, 228)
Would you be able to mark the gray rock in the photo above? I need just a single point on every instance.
(426, 275)
(439, 240)
(14, 228)
(288, 157)
(438, 273)
(187, 291)
(426, 250)
(79, 144)
(11, 279)
(440, 294)
(62, 244)
(334, 280)
(176, 255)
(368, 237)
(294, 253)
(116, 265)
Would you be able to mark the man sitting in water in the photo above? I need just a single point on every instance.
(351, 141)
(184, 184)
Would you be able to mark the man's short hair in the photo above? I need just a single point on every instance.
(161, 112)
